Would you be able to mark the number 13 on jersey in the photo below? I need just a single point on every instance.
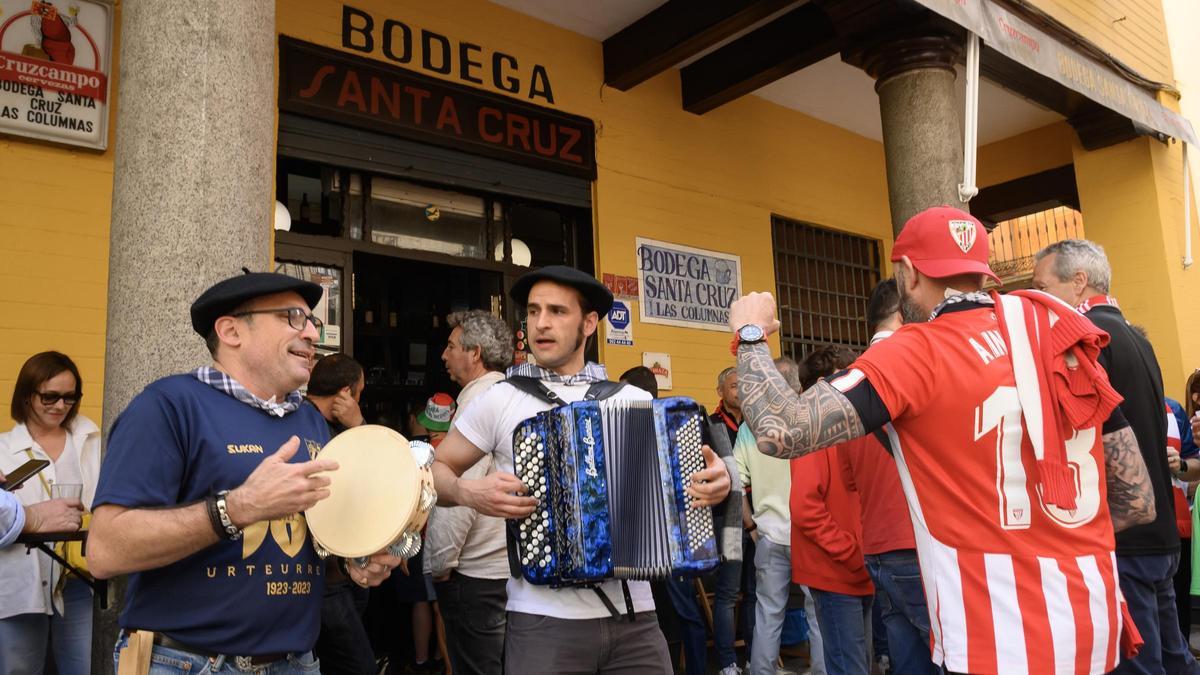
(1001, 412)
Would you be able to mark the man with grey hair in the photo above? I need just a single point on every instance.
(465, 550)
(733, 575)
(729, 409)
(1077, 272)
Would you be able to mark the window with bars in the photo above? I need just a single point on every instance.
(823, 280)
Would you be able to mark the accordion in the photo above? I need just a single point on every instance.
(610, 477)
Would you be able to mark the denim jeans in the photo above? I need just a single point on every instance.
(816, 653)
(165, 661)
(695, 638)
(1148, 584)
(844, 620)
(343, 644)
(900, 597)
(729, 581)
(773, 574)
(24, 637)
(474, 617)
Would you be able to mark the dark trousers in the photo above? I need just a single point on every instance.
(473, 614)
(613, 646)
(844, 621)
(900, 598)
(343, 646)
(1183, 587)
(691, 624)
(1148, 584)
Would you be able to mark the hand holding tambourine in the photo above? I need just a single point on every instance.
(379, 499)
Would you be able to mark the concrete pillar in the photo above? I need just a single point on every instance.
(193, 190)
(922, 128)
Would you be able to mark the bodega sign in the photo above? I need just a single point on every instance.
(436, 53)
(54, 68)
(371, 94)
(685, 286)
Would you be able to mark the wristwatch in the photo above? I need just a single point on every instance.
(747, 335)
(232, 532)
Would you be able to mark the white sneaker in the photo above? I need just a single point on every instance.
(731, 669)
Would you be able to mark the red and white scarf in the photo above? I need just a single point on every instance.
(1059, 383)
(1097, 301)
(1183, 512)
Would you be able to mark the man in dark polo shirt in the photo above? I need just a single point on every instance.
(203, 489)
(335, 389)
(1077, 272)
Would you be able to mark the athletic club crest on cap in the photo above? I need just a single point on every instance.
(963, 232)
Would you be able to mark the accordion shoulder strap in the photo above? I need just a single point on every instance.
(536, 388)
(608, 604)
(602, 390)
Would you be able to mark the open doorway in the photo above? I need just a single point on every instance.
(400, 309)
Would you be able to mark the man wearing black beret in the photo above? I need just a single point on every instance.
(203, 487)
(554, 630)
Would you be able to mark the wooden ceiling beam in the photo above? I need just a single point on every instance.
(675, 32)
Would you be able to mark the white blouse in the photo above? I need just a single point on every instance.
(28, 582)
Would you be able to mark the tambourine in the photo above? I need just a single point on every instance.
(379, 497)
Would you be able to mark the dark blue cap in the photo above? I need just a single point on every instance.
(598, 296)
(225, 296)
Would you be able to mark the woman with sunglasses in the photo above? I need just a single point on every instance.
(41, 605)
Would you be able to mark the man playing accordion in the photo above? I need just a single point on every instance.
(558, 629)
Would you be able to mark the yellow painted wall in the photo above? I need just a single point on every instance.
(1025, 154)
(709, 181)
(55, 206)
(1134, 31)
(1131, 197)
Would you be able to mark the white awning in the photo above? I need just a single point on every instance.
(1032, 47)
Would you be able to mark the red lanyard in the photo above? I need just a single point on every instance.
(729, 421)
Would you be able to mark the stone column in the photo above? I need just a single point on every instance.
(193, 190)
(922, 128)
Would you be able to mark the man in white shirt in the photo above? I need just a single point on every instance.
(557, 629)
(464, 550)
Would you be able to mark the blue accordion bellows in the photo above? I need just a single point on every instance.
(610, 477)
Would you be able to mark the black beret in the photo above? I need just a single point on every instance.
(598, 296)
(224, 296)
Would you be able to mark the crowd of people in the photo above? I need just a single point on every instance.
(997, 484)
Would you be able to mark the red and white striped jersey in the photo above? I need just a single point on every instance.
(1183, 511)
(1013, 585)
(1173, 439)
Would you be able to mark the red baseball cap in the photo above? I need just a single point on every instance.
(944, 241)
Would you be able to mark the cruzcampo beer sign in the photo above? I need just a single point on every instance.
(375, 95)
(685, 286)
(55, 61)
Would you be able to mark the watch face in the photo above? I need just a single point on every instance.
(750, 333)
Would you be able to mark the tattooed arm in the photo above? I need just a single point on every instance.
(785, 424)
(1130, 494)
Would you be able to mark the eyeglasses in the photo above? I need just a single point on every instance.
(49, 398)
(296, 317)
